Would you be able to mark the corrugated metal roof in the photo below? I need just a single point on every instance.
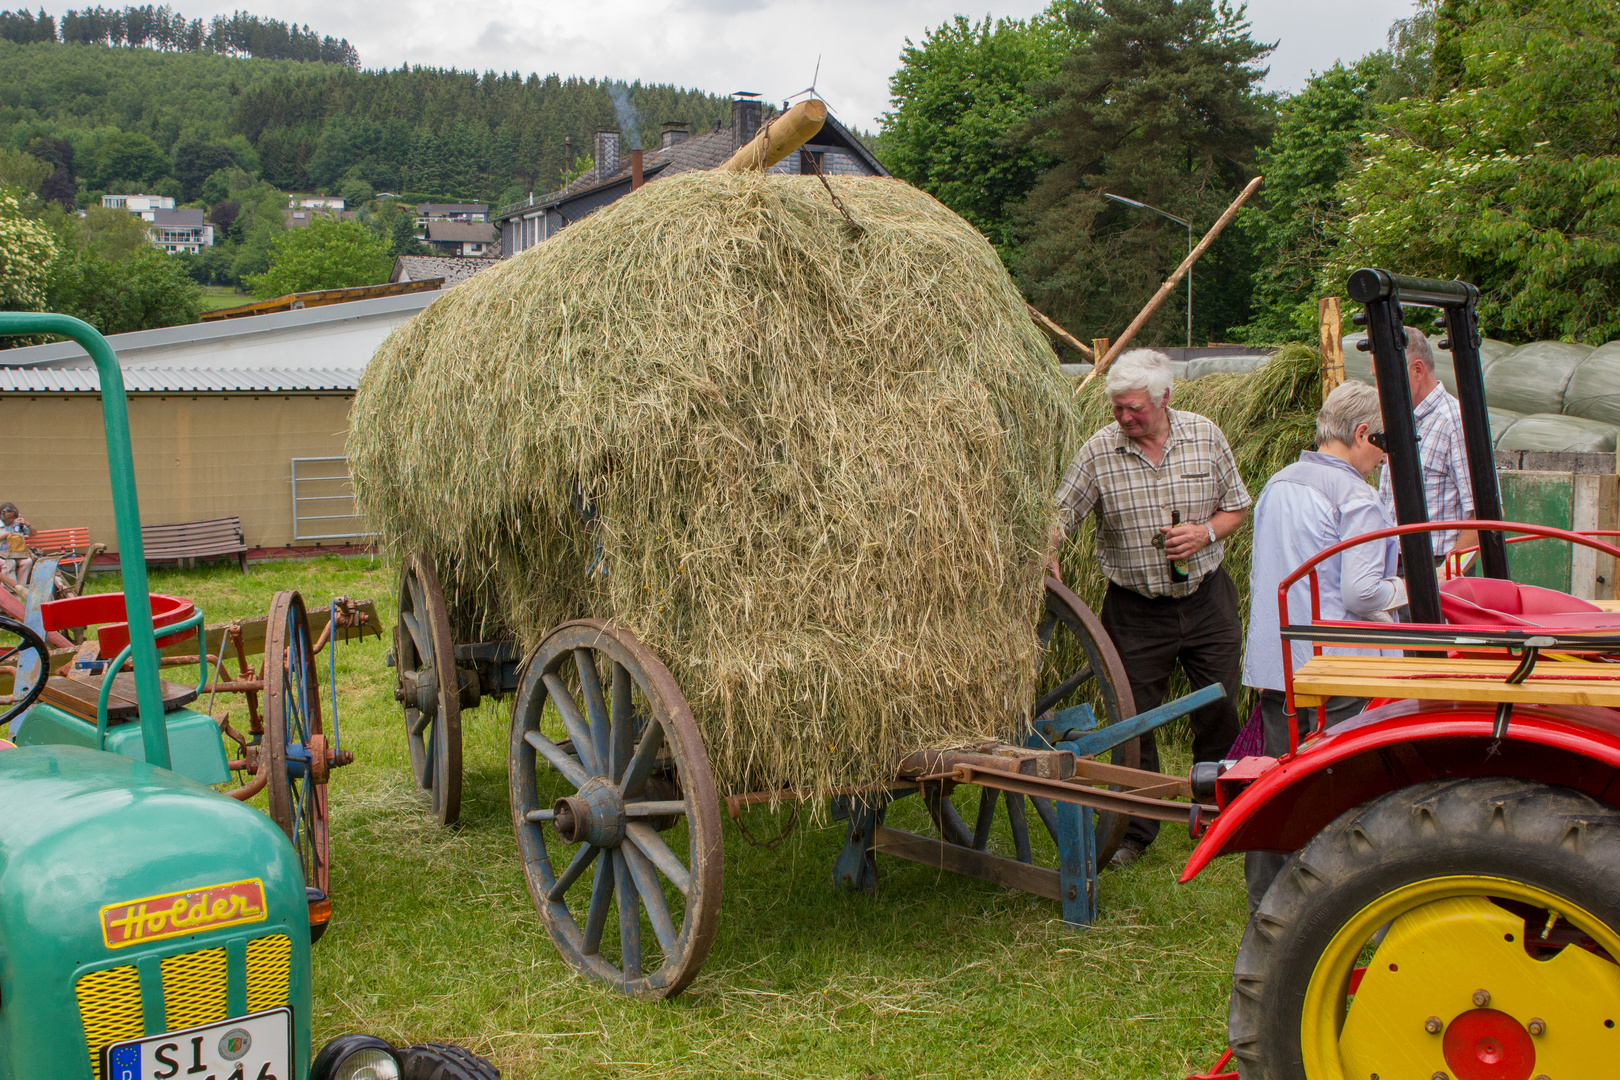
(182, 379)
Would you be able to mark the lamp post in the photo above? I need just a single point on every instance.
(1179, 221)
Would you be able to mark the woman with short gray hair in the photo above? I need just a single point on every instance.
(1305, 508)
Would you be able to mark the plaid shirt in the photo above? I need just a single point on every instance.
(1132, 499)
(1447, 490)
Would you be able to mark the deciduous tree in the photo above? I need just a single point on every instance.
(327, 254)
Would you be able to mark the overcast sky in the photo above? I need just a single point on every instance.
(769, 46)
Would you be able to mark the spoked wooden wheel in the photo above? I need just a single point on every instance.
(294, 741)
(1465, 928)
(631, 799)
(425, 667)
(1079, 664)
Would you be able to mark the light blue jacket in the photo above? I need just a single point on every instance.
(1305, 508)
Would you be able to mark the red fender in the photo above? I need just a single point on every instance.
(1405, 743)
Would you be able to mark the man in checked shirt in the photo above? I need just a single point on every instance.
(1153, 461)
(1447, 490)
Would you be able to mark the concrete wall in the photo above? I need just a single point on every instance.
(196, 457)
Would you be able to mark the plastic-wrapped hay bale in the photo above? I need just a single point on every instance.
(821, 464)
(1358, 365)
(1501, 420)
(1550, 431)
(1594, 389)
(1531, 378)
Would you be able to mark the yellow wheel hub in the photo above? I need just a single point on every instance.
(1451, 991)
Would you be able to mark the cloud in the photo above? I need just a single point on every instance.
(770, 46)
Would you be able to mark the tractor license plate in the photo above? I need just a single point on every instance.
(256, 1047)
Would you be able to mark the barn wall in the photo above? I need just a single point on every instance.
(195, 457)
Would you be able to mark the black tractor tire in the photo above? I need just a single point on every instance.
(441, 1061)
(1556, 839)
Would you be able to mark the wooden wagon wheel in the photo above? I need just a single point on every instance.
(293, 738)
(428, 687)
(632, 795)
(1077, 659)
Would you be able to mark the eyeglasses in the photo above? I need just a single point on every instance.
(1377, 439)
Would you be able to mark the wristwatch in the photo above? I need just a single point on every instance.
(1211, 529)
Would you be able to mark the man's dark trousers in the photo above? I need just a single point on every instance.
(1204, 632)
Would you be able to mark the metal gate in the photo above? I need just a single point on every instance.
(323, 500)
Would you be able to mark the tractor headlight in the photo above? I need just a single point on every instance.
(355, 1057)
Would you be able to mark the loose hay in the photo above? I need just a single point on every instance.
(821, 463)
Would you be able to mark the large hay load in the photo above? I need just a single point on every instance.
(809, 463)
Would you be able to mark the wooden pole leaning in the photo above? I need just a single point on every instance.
(1059, 333)
(1169, 284)
(1329, 332)
(779, 138)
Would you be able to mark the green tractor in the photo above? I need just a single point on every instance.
(151, 927)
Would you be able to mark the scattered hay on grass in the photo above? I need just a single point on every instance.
(817, 464)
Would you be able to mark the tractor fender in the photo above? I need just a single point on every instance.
(1404, 743)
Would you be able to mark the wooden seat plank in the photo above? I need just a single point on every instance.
(1552, 682)
(78, 696)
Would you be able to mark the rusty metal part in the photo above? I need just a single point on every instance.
(736, 803)
(244, 672)
(235, 686)
(347, 614)
(248, 762)
(320, 765)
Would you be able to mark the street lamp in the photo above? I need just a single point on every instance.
(1178, 221)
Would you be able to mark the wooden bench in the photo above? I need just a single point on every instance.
(187, 541)
(73, 550)
(1552, 682)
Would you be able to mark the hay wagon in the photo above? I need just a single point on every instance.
(617, 815)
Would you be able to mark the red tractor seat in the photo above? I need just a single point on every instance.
(1497, 603)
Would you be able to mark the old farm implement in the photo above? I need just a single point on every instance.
(619, 822)
(150, 925)
(1451, 906)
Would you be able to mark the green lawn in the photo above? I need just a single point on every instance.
(435, 937)
(222, 296)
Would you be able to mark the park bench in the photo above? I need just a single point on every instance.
(73, 550)
(187, 541)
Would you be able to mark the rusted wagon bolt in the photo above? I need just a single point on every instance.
(1433, 1025)
(1537, 1026)
(1440, 1076)
(1482, 998)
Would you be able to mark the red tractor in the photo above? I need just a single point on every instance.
(1450, 909)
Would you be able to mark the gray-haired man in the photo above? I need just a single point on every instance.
(1447, 489)
(1151, 466)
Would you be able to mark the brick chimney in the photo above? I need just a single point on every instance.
(745, 113)
(674, 131)
(607, 154)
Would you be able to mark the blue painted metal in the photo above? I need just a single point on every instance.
(1077, 862)
(855, 869)
(1105, 739)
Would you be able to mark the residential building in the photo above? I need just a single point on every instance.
(315, 202)
(463, 239)
(834, 151)
(466, 213)
(143, 205)
(299, 217)
(450, 270)
(180, 230)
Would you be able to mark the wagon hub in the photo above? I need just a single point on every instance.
(1485, 1044)
(593, 815)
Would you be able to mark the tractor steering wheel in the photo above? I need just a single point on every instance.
(11, 651)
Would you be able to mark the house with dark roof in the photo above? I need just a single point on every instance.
(834, 151)
(180, 230)
(460, 239)
(452, 270)
(462, 212)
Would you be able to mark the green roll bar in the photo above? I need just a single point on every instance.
(126, 511)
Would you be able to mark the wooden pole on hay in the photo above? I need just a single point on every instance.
(1329, 333)
(1058, 332)
(779, 138)
(1170, 283)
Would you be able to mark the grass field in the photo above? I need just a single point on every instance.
(435, 937)
(222, 296)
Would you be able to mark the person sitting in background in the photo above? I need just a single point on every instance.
(15, 558)
(1305, 508)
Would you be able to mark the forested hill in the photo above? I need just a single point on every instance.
(318, 126)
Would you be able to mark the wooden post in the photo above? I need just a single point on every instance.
(1099, 347)
(1058, 332)
(785, 134)
(1328, 332)
(1170, 283)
